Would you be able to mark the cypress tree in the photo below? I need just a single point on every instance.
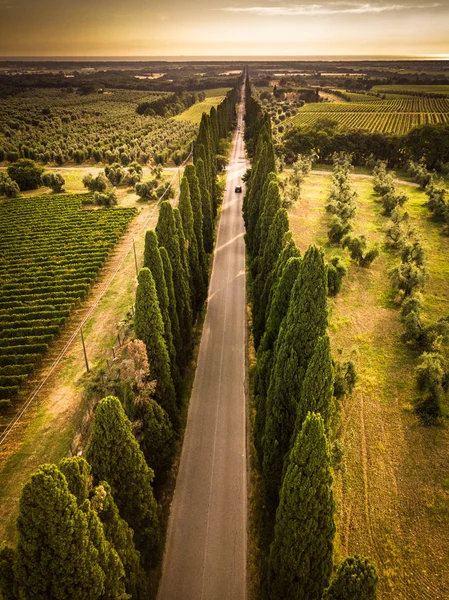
(153, 261)
(121, 536)
(278, 310)
(183, 247)
(76, 471)
(167, 233)
(271, 204)
(8, 588)
(272, 250)
(318, 384)
(149, 328)
(197, 286)
(55, 555)
(206, 205)
(356, 579)
(158, 443)
(172, 312)
(115, 456)
(304, 323)
(198, 220)
(300, 563)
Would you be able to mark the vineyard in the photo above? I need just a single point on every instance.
(51, 251)
(423, 90)
(53, 126)
(398, 116)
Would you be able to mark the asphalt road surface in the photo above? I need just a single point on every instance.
(205, 556)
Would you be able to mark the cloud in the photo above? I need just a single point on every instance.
(329, 8)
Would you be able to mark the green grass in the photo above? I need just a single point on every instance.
(214, 92)
(195, 112)
(390, 490)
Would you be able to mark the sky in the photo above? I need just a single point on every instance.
(224, 28)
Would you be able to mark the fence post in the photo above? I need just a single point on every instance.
(84, 350)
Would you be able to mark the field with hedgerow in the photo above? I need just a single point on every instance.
(392, 481)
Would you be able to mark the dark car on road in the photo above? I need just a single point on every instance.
(238, 189)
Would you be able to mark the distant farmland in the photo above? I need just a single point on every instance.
(389, 116)
(429, 90)
(195, 112)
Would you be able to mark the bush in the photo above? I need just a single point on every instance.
(26, 174)
(107, 200)
(55, 181)
(345, 378)
(430, 376)
(336, 270)
(8, 187)
(95, 184)
(115, 173)
(146, 189)
(356, 246)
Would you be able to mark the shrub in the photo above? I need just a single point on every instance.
(430, 376)
(336, 270)
(107, 200)
(26, 174)
(95, 184)
(55, 181)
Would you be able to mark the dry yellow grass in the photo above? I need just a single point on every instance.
(393, 489)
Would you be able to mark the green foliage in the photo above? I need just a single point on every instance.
(76, 470)
(26, 174)
(430, 381)
(56, 558)
(149, 328)
(120, 536)
(153, 261)
(8, 187)
(304, 323)
(95, 184)
(55, 181)
(336, 270)
(146, 190)
(168, 236)
(271, 204)
(206, 205)
(318, 385)
(159, 440)
(115, 456)
(357, 248)
(198, 219)
(8, 589)
(109, 199)
(345, 378)
(172, 305)
(356, 579)
(300, 563)
(197, 282)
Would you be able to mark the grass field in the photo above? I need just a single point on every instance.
(397, 115)
(195, 112)
(214, 92)
(393, 489)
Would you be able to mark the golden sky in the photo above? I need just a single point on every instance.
(223, 28)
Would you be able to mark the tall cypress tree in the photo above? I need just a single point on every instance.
(149, 328)
(76, 471)
(264, 364)
(197, 286)
(206, 205)
(153, 261)
(159, 440)
(172, 310)
(198, 220)
(318, 384)
(300, 563)
(304, 323)
(55, 555)
(271, 204)
(167, 233)
(121, 536)
(356, 579)
(272, 250)
(115, 456)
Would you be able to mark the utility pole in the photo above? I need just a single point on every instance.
(84, 350)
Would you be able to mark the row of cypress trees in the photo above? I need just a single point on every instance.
(89, 528)
(293, 388)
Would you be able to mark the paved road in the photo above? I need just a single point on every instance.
(205, 556)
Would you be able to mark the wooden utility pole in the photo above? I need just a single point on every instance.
(135, 257)
(84, 350)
